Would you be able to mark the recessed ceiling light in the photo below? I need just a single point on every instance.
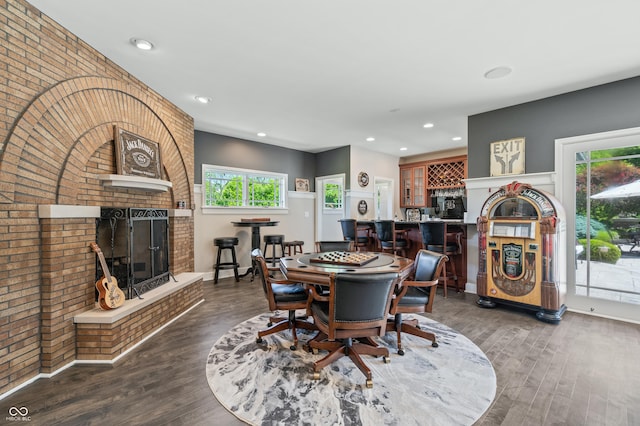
(428, 125)
(262, 134)
(404, 148)
(142, 44)
(203, 99)
(371, 139)
(456, 138)
(498, 72)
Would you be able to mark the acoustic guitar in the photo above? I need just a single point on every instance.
(109, 294)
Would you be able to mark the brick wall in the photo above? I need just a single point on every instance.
(59, 101)
(108, 341)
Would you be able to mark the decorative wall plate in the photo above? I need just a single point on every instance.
(363, 179)
(362, 207)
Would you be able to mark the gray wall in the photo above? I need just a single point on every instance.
(219, 150)
(597, 109)
(333, 162)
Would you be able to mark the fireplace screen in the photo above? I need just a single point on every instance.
(135, 243)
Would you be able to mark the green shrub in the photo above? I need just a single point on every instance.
(609, 255)
(606, 236)
(581, 227)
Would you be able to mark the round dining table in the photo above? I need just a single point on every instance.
(316, 268)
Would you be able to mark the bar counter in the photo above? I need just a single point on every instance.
(415, 238)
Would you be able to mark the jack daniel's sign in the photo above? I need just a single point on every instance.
(137, 156)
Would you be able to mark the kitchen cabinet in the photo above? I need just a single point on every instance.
(413, 185)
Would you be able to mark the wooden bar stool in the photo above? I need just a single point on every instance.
(226, 243)
(273, 241)
(435, 237)
(296, 245)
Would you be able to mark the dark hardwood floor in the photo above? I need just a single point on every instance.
(584, 371)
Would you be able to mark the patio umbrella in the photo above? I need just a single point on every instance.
(623, 191)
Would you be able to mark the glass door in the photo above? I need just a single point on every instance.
(600, 175)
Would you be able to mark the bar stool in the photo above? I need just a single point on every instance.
(296, 245)
(228, 243)
(273, 241)
(436, 238)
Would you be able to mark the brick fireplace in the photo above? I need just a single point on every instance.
(60, 102)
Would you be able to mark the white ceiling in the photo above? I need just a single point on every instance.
(315, 75)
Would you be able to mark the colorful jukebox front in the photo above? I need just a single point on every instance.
(522, 251)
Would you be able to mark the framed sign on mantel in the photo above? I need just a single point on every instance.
(136, 156)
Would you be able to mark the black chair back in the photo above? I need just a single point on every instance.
(434, 238)
(362, 297)
(432, 233)
(323, 246)
(384, 230)
(349, 229)
(426, 265)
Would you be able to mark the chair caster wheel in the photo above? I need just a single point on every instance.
(386, 359)
(259, 340)
(369, 383)
(316, 376)
(293, 347)
(400, 352)
(434, 344)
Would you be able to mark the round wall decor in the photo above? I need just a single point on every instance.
(362, 207)
(363, 179)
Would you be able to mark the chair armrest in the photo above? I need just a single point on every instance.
(314, 295)
(284, 282)
(419, 283)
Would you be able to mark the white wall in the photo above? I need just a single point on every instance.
(375, 164)
(296, 224)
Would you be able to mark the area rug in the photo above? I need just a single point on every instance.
(268, 384)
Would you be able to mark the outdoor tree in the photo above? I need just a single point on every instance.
(606, 174)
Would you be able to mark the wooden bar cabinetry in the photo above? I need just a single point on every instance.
(412, 181)
(417, 179)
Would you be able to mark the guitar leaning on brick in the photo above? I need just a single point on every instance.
(109, 294)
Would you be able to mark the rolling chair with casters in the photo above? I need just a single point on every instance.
(416, 296)
(353, 312)
(281, 295)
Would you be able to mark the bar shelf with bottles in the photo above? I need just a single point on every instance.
(521, 251)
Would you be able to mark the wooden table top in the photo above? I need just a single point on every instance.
(301, 268)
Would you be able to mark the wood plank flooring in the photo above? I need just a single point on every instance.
(584, 371)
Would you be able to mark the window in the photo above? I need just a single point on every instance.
(333, 190)
(228, 188)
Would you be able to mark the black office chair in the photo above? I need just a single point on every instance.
(416, 296)
(324, 246)
(353, 312)
(435, 238)
(281, 295)
(390, 239)
(350, 232)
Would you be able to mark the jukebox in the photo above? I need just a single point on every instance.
(522, 251)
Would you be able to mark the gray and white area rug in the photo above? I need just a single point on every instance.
(268, 384)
